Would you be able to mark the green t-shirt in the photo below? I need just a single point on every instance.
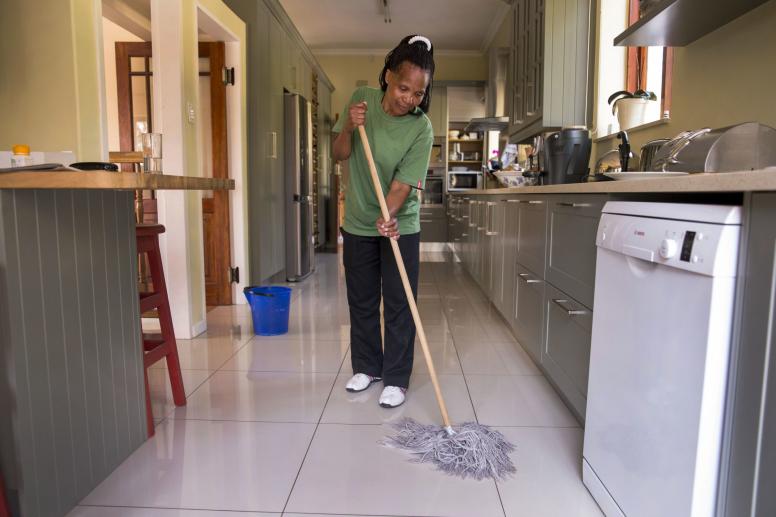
(401, 147)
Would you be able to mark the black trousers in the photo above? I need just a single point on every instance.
(369, 270)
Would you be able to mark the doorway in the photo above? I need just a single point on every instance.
(134, 81)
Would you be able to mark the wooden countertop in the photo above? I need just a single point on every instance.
(746, 181)
(100, 180)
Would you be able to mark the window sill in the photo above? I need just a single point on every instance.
(635, 129)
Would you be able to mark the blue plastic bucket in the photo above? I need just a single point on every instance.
(269, 308)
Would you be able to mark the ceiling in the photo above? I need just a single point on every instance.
(358, 25)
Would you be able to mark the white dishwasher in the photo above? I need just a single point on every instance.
(664, 294)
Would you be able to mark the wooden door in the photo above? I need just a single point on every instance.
(215, 209)
(134, 82)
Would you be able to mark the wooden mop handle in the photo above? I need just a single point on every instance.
(404, 279)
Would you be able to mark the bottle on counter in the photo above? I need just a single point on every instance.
(495, 163)
(20, 155)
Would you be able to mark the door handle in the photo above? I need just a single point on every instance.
(535, 202)
(525, 278)
(518, 201)
(274, 144)
(574, 205)
(570, 312)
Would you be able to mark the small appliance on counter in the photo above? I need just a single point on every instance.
(742, 147)
(464, 179)
(566, 156)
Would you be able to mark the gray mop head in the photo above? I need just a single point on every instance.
(471, 450)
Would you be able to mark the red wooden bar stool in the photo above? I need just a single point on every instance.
(158, 346)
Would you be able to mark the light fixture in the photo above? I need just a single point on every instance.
(386, 12)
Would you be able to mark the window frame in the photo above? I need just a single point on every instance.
(636, 67)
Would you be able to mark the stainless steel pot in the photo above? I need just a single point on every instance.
(742, 147)
(648, 152)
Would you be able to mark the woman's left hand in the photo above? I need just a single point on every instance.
(388, 229)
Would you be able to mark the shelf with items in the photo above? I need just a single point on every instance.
(464, 150)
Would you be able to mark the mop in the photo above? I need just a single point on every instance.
(467, 450)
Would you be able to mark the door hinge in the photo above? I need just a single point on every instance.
(227, 75)
(234, 275)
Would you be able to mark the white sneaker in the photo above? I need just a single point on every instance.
(392, 396)
(360, 382)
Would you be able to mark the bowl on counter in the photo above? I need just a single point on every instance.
(510, 178)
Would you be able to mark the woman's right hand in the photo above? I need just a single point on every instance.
(356, 116)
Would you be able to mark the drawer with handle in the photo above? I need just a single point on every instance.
(571, 250)
(566, 351)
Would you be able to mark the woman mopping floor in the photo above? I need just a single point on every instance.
(374, 256)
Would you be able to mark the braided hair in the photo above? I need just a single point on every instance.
(418, 53)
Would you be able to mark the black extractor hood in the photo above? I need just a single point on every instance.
(487, 124)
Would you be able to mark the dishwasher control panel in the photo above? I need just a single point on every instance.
(685, 245)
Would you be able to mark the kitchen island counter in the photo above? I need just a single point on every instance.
(99, 180)
(72, 390)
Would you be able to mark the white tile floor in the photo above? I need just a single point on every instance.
(269, 430)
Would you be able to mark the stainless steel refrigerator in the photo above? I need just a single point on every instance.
(300, 244)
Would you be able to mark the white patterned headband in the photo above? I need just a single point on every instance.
(424, 39)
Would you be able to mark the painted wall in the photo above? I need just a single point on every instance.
(50, 92)
(345, 70)
(724, 78)
(112, 33)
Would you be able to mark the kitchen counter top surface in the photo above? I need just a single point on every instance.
(745, 181)
(98, 180)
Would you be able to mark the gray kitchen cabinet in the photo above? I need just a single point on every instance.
(433, 224)
(464, 209)
(549, 61)
(471, 230)
(748, 466)
(496, 235)
(276, 199)
(566, 350)
(532, 233)
(482, 250)
(528, 320)
(509, 272)
(571, 251)
(438, 111)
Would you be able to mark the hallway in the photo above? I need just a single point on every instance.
(270, 430)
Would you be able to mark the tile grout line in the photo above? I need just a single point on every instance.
(315, 431)
(212, 372)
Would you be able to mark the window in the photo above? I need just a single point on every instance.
(650, 68)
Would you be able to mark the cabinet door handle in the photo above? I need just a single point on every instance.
(574, 205)
(464, 235)
(525, 278)
(518, 201)
(535, 202)
(426, 220)
(570, 312)
(274, 154)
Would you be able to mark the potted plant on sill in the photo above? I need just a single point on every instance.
(634, 108)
